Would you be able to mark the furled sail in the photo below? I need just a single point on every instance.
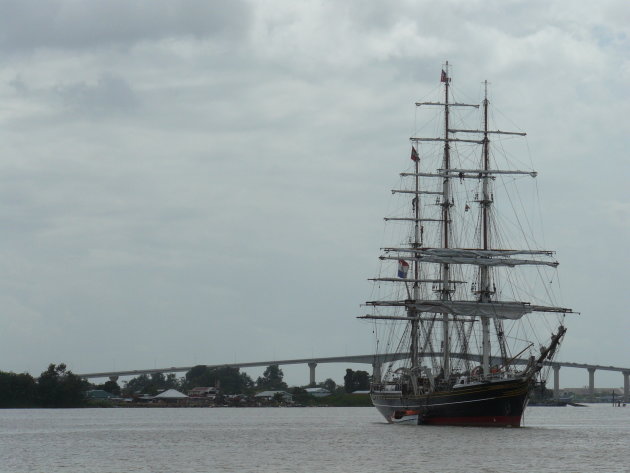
(498, 309)
(476, 261)
(466, 252)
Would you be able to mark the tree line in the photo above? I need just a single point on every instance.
(58, 387)
(227, 379)
(55, 387)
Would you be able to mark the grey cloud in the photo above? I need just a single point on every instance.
(236, 181)
(19, 85)
(110, 94)
(67, 24)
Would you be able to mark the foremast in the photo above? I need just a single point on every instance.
(412, 313)
(446, 206)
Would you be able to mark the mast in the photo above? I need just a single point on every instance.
(412, 312)
(446, 203)
(485, 292)
(484, 276)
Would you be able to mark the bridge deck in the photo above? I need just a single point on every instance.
(365, 359)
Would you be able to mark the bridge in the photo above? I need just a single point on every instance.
(377, 360)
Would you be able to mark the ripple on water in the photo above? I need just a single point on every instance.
(560, 439)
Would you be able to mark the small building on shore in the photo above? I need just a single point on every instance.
(271, 395)
(171, 396)
(203, 391)
(318, 392)
(98, 395)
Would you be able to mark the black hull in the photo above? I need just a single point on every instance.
(497, 403)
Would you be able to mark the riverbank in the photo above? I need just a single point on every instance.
(333, 400)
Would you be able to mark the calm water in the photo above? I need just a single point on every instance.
(554, 439)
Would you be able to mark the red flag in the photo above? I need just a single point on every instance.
(414, 154)
(444, 77)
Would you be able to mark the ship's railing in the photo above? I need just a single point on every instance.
(385, 387)
(398, 385)
(498, 376)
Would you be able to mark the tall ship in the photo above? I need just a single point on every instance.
(465, 318)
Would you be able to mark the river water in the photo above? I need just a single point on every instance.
(554, 439)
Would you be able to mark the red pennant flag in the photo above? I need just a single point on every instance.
(414, 154)
(444, 77)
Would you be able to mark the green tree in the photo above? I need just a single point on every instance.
(278, 398)
(232, 381)
(110, 386)
(173, 382)
(163, 382)
(139, 385)
(361, 380)
(348, 381)
(229, 380)
(272, 379)
(152, 384)
(17, 390)
(59, 387)
(356, 381)
(300, 395)
(329, 385)
(199, 375)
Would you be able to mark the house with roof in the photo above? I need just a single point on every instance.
(98, 395)
(318, 392)
(203, 391)
(271, 396)
(171, 396)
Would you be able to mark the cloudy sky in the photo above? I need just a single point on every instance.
(187, 182)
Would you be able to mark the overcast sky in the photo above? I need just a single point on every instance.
(188, 182)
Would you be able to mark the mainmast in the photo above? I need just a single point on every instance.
(485, 202)
(445, 174)
(485, 291)
(446, 204)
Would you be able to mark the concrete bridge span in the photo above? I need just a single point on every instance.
(377, 360)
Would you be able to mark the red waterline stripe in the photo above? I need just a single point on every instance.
(480, 420)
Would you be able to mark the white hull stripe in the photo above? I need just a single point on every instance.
(420, 406)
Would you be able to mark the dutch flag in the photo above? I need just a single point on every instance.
(403, 268)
